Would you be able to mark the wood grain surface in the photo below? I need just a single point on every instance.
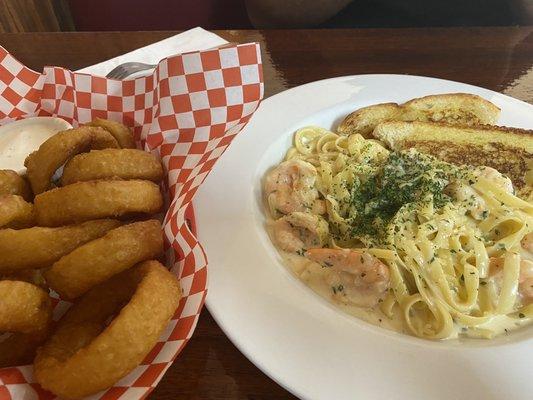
(501, 59)
(35, 16)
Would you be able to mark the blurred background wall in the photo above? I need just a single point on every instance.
(109, 15)
(35, 16)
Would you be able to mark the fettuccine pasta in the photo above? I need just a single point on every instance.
(441, 250)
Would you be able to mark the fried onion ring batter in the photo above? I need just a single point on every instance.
(112, 163)
(25, 312)
(34, 276)
(54, 152)
(84, 201)
(87, 354)
(119, 131)
(15, 212)
(100, 259)
(13, 183)
(39, 247)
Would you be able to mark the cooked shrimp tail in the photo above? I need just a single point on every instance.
(360, 271)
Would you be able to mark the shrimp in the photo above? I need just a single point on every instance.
(525, 278)
(527, 242)
(357, 276)
(493, 175)
(299, 231)
(471, 199)
(290, 187)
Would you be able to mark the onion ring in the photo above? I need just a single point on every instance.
(54, 152)
(39, 247)
(100, 259)
(26, 312)
(21, 307)
(87, 354)
(15, 212)
(119, 131)
(34, 276)
(13, 183)
(20, 348)
(84, 201)
(112, 163)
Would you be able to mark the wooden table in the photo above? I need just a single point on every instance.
(501, 59)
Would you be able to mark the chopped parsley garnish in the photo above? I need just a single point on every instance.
(407, 177)
(337, 289)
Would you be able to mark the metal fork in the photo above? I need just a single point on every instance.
(124, 70)
(128, 68)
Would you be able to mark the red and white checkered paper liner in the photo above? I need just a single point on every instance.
(187, 112)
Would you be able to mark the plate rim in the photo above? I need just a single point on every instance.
(234, 339)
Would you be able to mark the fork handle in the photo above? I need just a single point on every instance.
(124, 70)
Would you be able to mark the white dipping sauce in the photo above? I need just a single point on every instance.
(18, 139)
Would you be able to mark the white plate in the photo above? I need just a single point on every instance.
(292, 334)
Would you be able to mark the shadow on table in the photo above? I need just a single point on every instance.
(211, 367)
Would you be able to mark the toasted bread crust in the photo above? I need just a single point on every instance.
(451, 108)
(364, 120)
(454, 108)
(509, 150)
